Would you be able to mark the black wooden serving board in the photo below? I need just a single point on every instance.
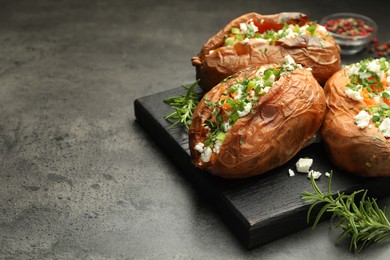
(258, 209)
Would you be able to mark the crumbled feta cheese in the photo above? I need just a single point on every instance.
(205, 152)
(362, 119)
(248, 28)
(289, 60)
(289, 33)
(199, 147)
(289, 63)
(304, 164)
(247, 109)
(266, 89)
(252, 26)
(384, 127)
(217, 146)
(374, 66)
(381, 74)
(291, 173)
(226, 126)
(239, 93)
(243, 28)
(353, 94)
(353, 69)
(206, 155)
(314, 174)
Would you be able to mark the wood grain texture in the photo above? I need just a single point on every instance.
(258, 209)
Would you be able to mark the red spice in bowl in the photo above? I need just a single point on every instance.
(353, 32)
(348, 26)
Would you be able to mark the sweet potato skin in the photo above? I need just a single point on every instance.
(323, 55)
(363, 152)
(284, 120)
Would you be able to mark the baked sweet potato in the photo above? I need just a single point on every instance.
(356, 128)
(254, 39)
(256, 120)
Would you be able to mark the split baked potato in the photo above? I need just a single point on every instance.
(254, 39)
(356, 128)
(256, 120)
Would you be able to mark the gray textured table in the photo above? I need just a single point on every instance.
(79, 178)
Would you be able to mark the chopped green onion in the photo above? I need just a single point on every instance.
(229, 41)
(235, 30)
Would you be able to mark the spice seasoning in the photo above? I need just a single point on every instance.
(380, 49)
(348, 27)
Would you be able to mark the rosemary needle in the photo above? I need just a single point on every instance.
(183, 105)
(365, 223)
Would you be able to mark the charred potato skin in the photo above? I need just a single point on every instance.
(284, 120)
(364, 152)
(322, 55)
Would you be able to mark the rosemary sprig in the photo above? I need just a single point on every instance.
(365, 223)
(184, 106)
